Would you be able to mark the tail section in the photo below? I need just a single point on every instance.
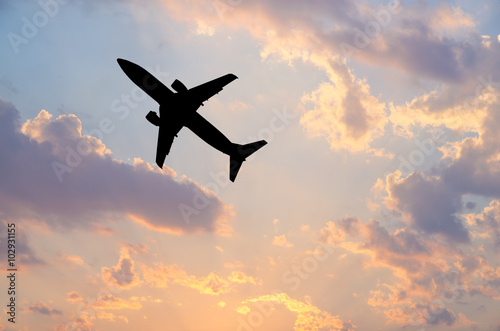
(242, 152)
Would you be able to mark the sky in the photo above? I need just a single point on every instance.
(375, 204)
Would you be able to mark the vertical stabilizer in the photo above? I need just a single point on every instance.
(243, 151)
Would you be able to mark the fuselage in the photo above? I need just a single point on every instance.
(181, 111)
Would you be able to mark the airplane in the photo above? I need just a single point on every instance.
(178, 110)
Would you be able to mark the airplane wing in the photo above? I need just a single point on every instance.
(165, 140)
(203, 92)
(147, 82)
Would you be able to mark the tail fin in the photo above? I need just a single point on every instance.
(243, 151)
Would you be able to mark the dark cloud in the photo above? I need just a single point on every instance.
(73, 296)
(470, 205)
(350, 225)
(431, 204)
(403, 243)
(438, 315)
(475, 170)
(50, 172)
(42, 308)
(123, 274)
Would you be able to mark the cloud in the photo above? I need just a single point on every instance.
(241, 278)
(469, 166)
(343, 110)
(53, 173)
(73, 296)
(42, 308)
(474, 168)
(73, 259)
(281, 241)
(122, 275)
(90, 309)
(110, 316)
(139, 249)
(162, 276)
(309, 317)
(430, 275)
(487, 223)
(449, 18)
(81, 323)
(430, 204)
(427, 42)
(331, 234)
(110, 302)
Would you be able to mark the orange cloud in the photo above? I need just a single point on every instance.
(241, 278)
(163, 275)
(74, 259)
(343, 110)
(110, 302)
(141, 248)
(281, 241)
(110, 316)
(449, 18)
(309, 317)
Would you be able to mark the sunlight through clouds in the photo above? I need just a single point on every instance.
(374, 206)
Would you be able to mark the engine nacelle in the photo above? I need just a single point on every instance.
(178, 86)
(153, 118)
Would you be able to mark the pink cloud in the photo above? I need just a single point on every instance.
(53, 174)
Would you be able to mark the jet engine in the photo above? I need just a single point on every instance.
(153, 118)
(178, 86)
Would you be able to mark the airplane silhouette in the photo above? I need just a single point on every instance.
(180, 109)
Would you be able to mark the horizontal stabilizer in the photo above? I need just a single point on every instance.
(243, 151)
